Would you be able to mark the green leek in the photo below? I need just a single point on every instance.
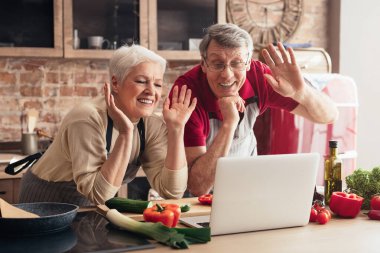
(179, 238)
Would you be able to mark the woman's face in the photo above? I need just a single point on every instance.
(140, 92)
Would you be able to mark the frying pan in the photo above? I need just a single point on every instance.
(54, 217)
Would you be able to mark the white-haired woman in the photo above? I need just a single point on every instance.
(101, 144)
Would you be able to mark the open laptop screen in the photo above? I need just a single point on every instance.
(257, 187)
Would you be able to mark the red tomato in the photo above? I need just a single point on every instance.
(318, 205)
(322, 218)
(374, 214)
(375, 202)
(313, 215)
(327, 212)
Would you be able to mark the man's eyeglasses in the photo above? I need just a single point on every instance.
(220, 67)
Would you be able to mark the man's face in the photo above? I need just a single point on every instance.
(228, 81)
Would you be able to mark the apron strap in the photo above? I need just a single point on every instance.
(109, 133)
(141, 128)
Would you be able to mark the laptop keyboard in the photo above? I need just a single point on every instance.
(204, 224)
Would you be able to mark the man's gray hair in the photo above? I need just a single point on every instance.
(226, 35)
(127, 57)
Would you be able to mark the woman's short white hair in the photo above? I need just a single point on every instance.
(127, 57)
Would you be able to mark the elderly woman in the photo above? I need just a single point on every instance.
(101, 144)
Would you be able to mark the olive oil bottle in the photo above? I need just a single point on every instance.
(333, 172)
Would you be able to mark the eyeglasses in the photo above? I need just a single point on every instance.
(220, 67)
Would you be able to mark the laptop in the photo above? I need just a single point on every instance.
(260, 193)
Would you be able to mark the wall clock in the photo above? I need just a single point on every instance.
(268, 21)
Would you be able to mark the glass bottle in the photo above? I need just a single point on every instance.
(76, 40)
(333, 172)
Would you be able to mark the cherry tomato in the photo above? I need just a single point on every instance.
(322, 218)
(327, 212)
(375, 202)
(374, 214)
(318, 205)
(313, 215)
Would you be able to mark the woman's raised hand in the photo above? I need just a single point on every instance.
(177, 111)
(120, 120)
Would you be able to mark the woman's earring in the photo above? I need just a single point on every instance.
(114, 80)
(113, 85)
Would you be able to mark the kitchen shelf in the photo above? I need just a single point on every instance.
(103, 30)
(149, 25)
(55, 51)
(172, 24)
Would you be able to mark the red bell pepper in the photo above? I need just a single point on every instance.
(345, 205)
(167, 214)
(205, 199)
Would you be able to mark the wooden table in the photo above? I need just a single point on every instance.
(338, 235)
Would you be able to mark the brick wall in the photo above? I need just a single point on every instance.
(53, 86)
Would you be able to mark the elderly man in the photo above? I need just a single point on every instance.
(232, 90)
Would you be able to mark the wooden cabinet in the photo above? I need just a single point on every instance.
(167, 27)
(9, 184)
(24, 33)
(176, 27)
(9, 189)
(171, 28)
(117, 21)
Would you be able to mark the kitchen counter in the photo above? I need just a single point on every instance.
(338, 235)
(5, 158)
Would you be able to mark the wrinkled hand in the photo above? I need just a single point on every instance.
(287, 79)
(230, 108)
(120, 120)
(177, 111)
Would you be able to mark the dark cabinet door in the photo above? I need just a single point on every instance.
(32, 28)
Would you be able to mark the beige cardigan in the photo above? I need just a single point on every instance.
(78, 152)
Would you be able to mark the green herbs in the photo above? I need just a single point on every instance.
(364, 183)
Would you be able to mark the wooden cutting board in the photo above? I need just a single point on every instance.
(196, 208)
(9, 211)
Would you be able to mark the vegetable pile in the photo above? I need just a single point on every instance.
(365, 183)
(374, 213)
(319, 213)
(178, 238)
(161, 220)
